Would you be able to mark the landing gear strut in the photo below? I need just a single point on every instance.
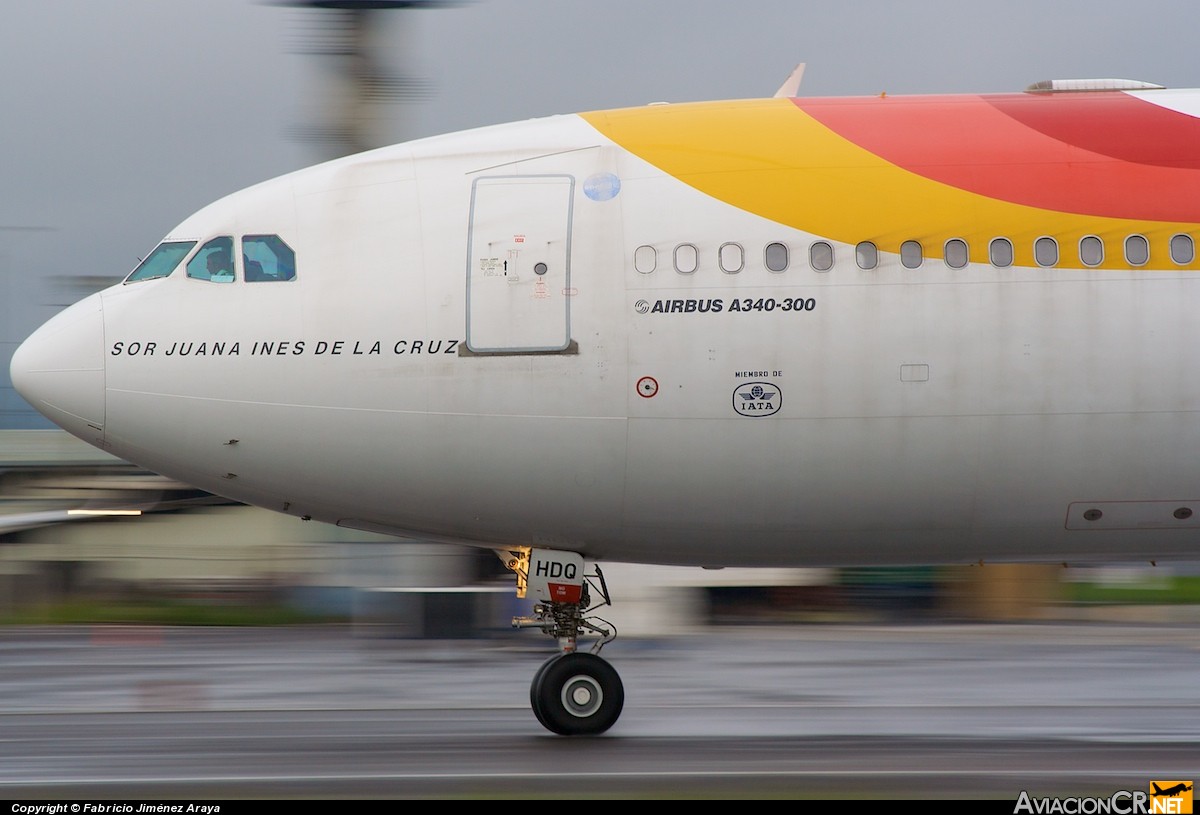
(573, 693)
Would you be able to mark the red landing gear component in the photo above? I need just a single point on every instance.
(572, 694)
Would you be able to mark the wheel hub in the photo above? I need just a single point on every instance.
(582, 696)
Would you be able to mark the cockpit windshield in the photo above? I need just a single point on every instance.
(267, 258)
(213, 261)
(162, 261)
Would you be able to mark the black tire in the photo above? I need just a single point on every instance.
(577, 695)
(534, 698)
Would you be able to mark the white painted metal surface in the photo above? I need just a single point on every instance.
(369, 392)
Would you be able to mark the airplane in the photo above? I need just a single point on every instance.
(767, 332)
(1169, 791)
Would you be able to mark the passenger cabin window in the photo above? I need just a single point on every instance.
(820, 255)
(645, 259)
(776, 257)
(687, 259)
(1183, 250)
(162, 261)
(1000, 253)
(1091, 251)
(911, 254)
(867, 255)
(1137, 250)
(732, 258)
(266, 258)
(213, 261)
(956, 253)
(1045, 251)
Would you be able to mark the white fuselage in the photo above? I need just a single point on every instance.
(420, 377)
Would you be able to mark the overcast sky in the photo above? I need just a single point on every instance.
(121, 117)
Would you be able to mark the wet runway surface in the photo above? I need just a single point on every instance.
(827, 711)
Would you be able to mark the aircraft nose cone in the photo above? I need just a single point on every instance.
(59, 369)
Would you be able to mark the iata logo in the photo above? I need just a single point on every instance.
(757, 399)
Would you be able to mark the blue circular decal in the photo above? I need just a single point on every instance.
(602, 187)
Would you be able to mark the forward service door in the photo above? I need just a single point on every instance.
(518, 264)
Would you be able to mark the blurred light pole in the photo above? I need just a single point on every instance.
(347, 33)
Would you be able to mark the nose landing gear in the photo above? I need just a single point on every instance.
(576, 695)
(573, 693)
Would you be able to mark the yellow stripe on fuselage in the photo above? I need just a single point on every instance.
(771, 158)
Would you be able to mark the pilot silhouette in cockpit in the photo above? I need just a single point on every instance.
(220, 267)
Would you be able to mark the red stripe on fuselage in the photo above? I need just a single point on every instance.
(1096, 153)
(1112, 124)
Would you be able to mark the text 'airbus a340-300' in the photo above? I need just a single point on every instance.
(776, 332)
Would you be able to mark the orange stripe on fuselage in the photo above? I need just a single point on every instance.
(777, 159)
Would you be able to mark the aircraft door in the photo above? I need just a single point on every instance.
(518, 264)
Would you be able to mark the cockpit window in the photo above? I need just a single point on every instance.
(213, 262)
(267, 258)
(162, 261)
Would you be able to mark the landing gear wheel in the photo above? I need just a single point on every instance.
(577, 695)
(534, 698)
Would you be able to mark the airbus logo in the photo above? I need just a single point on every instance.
(688, 306)
(757, 399)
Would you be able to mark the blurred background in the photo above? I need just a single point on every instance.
(124, 117)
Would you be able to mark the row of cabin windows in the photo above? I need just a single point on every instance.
(731, 257)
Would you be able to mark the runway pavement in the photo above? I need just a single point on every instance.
(824, 711)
